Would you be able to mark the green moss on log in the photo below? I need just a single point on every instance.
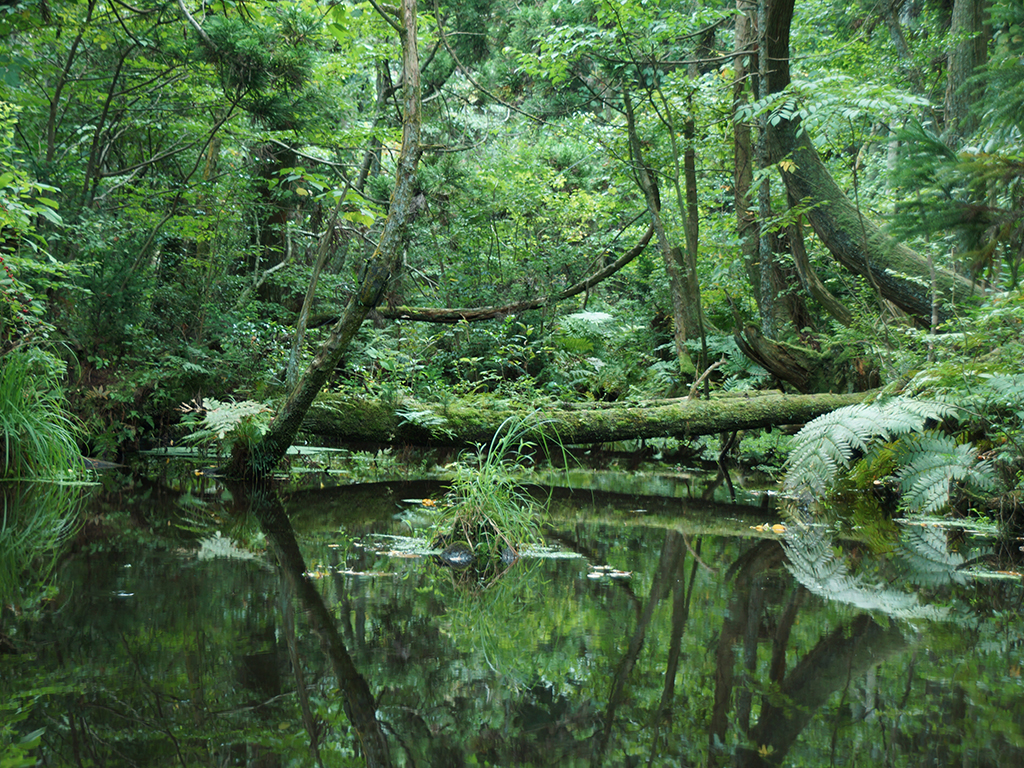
(351, 419)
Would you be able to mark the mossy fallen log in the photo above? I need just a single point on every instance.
(347, 419)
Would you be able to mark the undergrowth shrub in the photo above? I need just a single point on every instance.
(898, 440)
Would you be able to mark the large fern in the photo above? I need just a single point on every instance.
(927, 464)
(931, 463)
(828, 444)
(224, 423)
(925, 557)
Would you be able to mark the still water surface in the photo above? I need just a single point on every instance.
(194, 626)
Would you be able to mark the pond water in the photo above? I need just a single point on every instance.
(196, 624)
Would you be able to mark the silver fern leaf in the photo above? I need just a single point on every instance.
(813, 562)
(827, 445)
(925, 557)
(932, 462)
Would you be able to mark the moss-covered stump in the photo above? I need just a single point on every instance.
(356, 420)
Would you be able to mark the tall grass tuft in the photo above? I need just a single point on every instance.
(37, 432)
(486, 505)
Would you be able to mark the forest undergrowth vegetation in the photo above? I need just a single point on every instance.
(168, 244)
(40, 436)
(945, 435)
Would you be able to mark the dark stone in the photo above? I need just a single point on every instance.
(457, 555)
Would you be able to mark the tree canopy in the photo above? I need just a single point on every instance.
(567, 200)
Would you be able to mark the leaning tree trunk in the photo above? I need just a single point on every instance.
(260, 459)
(856, 243)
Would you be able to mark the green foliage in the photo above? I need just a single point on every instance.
(37, 520)
(486, 506)
(829, 443)
(23, 199)
(39, 435)
(225, 424)
(740, 372)
(926, 462)
(931, 463)
(926, 557)
(29, 271)
(815, 564)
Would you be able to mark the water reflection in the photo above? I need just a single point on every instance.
(358, 702)
(171, 644)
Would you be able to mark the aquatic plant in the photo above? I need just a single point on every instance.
(486, 506)
(39, 435)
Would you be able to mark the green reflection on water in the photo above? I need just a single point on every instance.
(173, 640)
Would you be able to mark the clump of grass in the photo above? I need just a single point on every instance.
(38, 434)
(486, 506)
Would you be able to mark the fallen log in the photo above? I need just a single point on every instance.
(348, 419)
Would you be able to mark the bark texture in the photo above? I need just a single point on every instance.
(355, 420)
(260, 459)
(854, 241)
(966, 27)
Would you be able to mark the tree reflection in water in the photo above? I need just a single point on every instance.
(359, 703)
(174, 644)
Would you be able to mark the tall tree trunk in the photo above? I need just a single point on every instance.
(743, 151)
(260, 459)
(691, 215)
(855, 242)
(967, 55)
(765, 257)
(685, 312)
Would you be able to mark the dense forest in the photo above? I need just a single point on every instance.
(216, 213)
(672, 235)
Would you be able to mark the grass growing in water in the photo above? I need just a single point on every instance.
(37, 432)
(486, 506)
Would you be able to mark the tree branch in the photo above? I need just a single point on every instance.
(475, 314)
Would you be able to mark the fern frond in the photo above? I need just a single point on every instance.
(828, 443)
(926, 559)
(812, 561)
(931, 463)
(224, 418)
